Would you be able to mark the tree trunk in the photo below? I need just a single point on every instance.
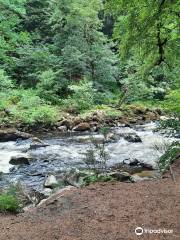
(160, 43)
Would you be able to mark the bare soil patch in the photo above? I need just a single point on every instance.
(103, 211)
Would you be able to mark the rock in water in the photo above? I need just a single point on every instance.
(51, 181)
(12, 135)
(20, 159)
(112, 137)
(132, 138)
(62, 128)
(37, 143)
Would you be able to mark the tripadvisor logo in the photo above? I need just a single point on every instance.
(139, 231)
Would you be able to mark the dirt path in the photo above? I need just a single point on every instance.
(106, 211)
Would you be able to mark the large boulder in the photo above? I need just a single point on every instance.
(20, 159)
(13, 135)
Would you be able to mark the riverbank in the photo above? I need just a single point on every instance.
(91, 120)
(103, 211)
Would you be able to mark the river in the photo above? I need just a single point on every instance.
(66, 151)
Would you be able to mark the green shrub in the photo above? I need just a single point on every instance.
(5, 81)
(9, 203)
(171, 125)
(26, 107)
(97, 156)
(82, 97)
(35, 115)
(48, 86)
(172, 102)
(169, 156)
(94, 178)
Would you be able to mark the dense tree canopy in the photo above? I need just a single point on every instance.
(11, 36)
(147, 28)
(80, 53)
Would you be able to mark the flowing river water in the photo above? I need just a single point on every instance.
(66, 151)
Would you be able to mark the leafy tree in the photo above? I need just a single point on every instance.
(11, 14)
(84, 49)
(148, 30)
(36, 21)
(31, 61)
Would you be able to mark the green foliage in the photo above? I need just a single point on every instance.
(142, 28)
(138, 86)
(31, 62)
(172, 102)
(36, 22)
(84, 50)
(172, 125)
(96, 157)
(5, 81)
(48, 86)
(26, 107)
(36, 115)
(9, 201)
(58, 49)
(82, 97)
(147, 33)
(11, 37)
(170, 155)
(94, 178)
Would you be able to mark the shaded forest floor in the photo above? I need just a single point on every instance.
(103, 211)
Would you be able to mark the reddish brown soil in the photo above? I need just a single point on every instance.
(106, 211)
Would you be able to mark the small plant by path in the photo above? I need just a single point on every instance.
(96, 158)
(9, 201)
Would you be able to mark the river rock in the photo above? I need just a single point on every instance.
(71, 177)
(20, 159)
(136, 163)
(12, 135)
(112, 137)
(47, 192)
(139, 110)
(84, 126)
(120, 176)
(145, 175)
(132, 137)
(37, 143)
(62, 128)
(67, 123)
(51, 181)
(150, 116)
(56, 196)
